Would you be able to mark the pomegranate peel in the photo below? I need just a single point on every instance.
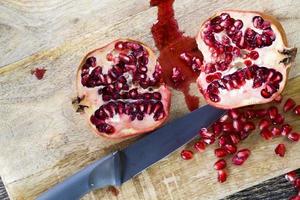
(246, 58)
(121, 90)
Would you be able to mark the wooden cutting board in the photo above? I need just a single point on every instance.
(43, 140)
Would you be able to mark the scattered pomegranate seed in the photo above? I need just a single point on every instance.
(233, 113)
(276, 131)
(264, 124)
(294, 136)
(220, 152)
(205, 133)
(261, 113)
(208, 140)
(200, 146)
(289, 105)
(280, 150)
(241, 156)
(38, 72)
(186, 154)
(273, 112)
(286, 129)
(297, 183)
(297, 110)
(291, 176)
(231, 149)
(279, 119)
(220, 164)
(235, 139)
(248, 63)
(217, 129)
(227, 127)
(266, 133)
(297, 197)
(223, 118)
(222, 176)
(278, 99)
(249, 126)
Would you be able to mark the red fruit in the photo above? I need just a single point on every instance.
(297, 110)
(220, 152)
(222, 176)
(286, 129)
(249, 126)
(279, 119)
(121, 88)
(227, 41)
(273, 112)
(200, 146)
(276, 131)
(241, 156)
(294, 136)
(266, 133)
(289, 105)
(231, 149)
(186, 154)
(264, 124)
(220, 164)
(291, 176)
(280, 150)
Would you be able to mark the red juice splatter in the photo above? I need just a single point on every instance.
(171, 43)
(38, 72)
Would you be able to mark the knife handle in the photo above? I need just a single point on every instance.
(97, 175)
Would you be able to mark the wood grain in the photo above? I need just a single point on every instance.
(43, 140)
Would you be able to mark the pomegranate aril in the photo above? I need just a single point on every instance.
(240, 157)
(260, 113)
(235, 138)
(233, 113)
(289, 105)
(294, 136)
(296, 197)
(280, 150)
(209, 140)
(291, 176)
(106, 128)
(279, 119)
(264, 124)
(186, 154)
(200, 146)
(266, 133)
(297, 184)
(222, 176)
(220, 152)
(276, 131)
(297, 110)
(227, 127)
(286, 129)
(231, 149)
(273, 112)
(278, 99)
(237, 125)
(217, 128)
(249, 126)
(220, 164)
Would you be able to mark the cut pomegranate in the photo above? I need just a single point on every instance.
(289, 105)
(244, 56)
(186, 154)
(121, 87)
(200, 146)
(280, 150)
(297, 110)
(222, 176)
(294, 136)
(220, 164)
(291, 176)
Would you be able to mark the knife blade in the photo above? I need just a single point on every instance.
(120, 166)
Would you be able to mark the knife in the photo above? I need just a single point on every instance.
(120, 166)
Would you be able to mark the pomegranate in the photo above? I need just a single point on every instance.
(245, 59)
(121, 89)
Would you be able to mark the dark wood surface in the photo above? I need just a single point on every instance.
(274, 189)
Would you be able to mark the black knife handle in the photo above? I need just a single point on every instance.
(99, 174)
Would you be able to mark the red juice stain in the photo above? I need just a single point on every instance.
(113, 190)
(38, 72)
(172, 43)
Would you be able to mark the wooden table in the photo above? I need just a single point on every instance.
(55, 35)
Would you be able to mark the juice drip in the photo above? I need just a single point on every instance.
(171, 42)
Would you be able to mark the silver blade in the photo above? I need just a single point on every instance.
(165, 140)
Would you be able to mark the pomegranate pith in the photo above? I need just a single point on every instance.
(234, 45)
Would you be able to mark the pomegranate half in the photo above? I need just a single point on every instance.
(245, 59)
(121, 89)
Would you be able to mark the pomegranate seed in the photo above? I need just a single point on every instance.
(216, 128)
(280, 150)
(109, 56)
(276, 131)
(263, 124)
(220, 152)
(235, 139)
(248, 63)
(289, 105)
(205, 134)
(291, 176)
(294, 136)
(241, 157)
(227, 127)
(186, 154)
(261, 113)
(296, 197)
(233, 113)
(286, 129)
(266, 133)
(279, 119)
(223, 140)
(297, 110)
(237, 125)
(254, 55)
(222, 176)
(223, 118)
(249, 126)
(220, 164)
(273, 112)
(297, 183)
(278, 99)
(231, 149)
(200, 146)
(250, 114)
